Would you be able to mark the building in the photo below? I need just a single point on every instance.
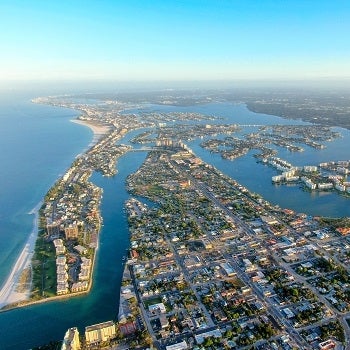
(127, 328)
(164, 323)
(308, 183)
(61, 261)
(207, 244)
(201, 337)
(310, 168)
(155, 308)
(79, 286)
(100, 332)
(328, 344)
(59, 246)
(325, 186)
(80, 249)
(85, 269)
(277, 178)
(177, 346)
(340, 187)
(71, 340)
(62, 288)
(71, 232)
(269, 220)
(228, 269)
(288, 313)
(53, 230)
(343, 230)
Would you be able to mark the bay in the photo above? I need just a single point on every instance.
(257, 177)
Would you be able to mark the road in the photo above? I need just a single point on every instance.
(272, 309)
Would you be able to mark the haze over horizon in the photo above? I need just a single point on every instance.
(199, 40)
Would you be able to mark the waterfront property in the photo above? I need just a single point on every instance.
(205, 259)
(99, 333)
(71, 340)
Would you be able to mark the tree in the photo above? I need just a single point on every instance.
(208, 342)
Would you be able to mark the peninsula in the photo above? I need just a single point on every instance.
(58, 258)
(19, 286)
(211, 264)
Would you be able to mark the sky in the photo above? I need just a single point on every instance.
(178, 40)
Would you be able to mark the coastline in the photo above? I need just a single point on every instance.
(26, 302)
(98, 130)
(8, 293)
(9, 296)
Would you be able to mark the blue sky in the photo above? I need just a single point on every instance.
(174, 40)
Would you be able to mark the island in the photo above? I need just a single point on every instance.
(211, 264)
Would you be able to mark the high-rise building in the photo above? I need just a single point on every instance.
(53, 230)
(71, 231)
(100, 332)
(71, 340)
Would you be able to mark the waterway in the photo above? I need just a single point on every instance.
(257, 177)
(38, 324)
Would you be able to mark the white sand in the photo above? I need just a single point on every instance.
(8, 293)
(98, 129)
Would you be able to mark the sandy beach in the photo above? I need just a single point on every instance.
(98, 129)
(8, 293)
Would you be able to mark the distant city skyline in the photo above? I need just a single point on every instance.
(174, 40)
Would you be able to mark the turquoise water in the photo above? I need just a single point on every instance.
(37, 144)
(38, 324)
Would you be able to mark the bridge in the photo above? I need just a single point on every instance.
(148, 149)
(252, 125)
(143, 149)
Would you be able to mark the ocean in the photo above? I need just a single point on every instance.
(37, 145)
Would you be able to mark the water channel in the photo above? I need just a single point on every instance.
(34, 325)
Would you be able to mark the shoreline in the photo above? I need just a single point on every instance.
(98, 130)
(8, 293)
(27, 302)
